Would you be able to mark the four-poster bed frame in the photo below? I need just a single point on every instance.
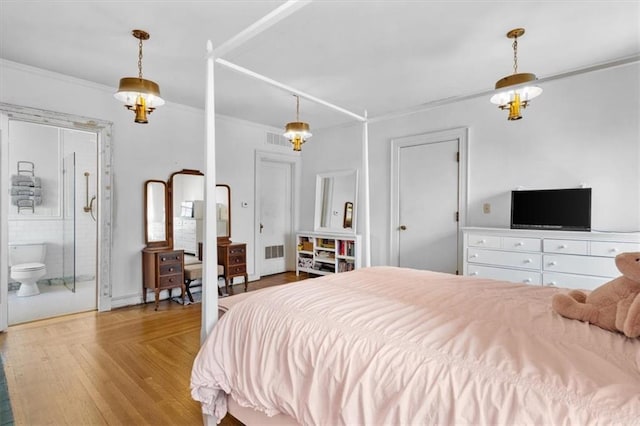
(210, 298)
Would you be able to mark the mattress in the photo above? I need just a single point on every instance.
(388, 345)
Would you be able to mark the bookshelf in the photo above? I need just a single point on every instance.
(323, 254)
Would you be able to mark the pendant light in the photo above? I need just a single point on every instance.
(297, 131)
(517, 98)
(138, 94)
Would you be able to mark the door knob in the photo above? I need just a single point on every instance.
(261, 227)
(403, 228)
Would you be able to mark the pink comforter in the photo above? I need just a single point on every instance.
(387, 345)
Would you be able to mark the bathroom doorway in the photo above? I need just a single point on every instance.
(69, 212)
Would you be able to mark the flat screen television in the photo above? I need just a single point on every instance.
(561, 209)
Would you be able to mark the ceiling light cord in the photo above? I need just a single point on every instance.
(140, 58)
(515, 55)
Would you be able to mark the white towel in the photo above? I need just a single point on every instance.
(23, 180)
(26, 190)
(15, 198)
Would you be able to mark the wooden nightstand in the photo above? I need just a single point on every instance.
(162, 269)
(233, 257)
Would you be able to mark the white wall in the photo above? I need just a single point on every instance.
(173, 140)
(584, 129)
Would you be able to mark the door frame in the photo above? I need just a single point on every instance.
(294, 162)
(461, 134)
(103, 131)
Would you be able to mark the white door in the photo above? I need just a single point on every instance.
(428, 202)
(274, 215)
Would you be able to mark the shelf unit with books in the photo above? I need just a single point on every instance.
(323, 254)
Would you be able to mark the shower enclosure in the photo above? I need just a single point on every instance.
(69, 222)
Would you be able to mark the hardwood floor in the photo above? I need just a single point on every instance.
(130, 366)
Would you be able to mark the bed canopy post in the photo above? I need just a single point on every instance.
(210, 257)
(367, 206)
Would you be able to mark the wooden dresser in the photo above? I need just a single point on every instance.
(233, 257)
(162, 269)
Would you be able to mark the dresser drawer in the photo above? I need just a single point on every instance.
(477, 240)
(611, 248)
(170, 281)
(587, 265)
(237, 249)
(584, 282)
(170, 257)
(237, 259)
(565, 246)
(513, 275)
(504, 258)
(170, 268)
(525, 244)
(237, 270)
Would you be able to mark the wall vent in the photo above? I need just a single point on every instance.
(277, 139)
(274, 252)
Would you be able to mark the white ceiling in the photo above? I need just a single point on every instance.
(382, 56)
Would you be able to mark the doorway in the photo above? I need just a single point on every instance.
(277, 192)
(77, 257)
(428, 200)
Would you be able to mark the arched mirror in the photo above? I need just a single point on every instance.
(155, 219)
(186, 219)
(223, 213)
(336, 194)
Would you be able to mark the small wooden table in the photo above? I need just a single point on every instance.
(233, 257)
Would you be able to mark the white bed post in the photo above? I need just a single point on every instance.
(210, 255)
(365, 173)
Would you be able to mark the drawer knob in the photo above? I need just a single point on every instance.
(163, 259)
(171, 269)
(527, 280)
(563, 246)
(473, 256)
(614, 250)
(473, 273)
(482, 241)
(170, 280)
(553, 263)
(519, 244)
(553, 284)
(528, 261)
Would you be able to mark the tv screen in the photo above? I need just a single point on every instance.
(562, 209)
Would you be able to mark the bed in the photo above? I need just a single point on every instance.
(387, 345)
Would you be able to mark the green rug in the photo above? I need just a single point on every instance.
(6, 415)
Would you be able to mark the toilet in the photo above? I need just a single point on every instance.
(27, 266)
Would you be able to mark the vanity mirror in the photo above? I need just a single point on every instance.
(336, 194)
(186, 218)
(174, 212)
(155, 219)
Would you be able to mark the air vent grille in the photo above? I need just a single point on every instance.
(274, 252)
(277, 139)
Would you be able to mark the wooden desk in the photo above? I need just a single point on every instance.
(233, 257)
(162, 269)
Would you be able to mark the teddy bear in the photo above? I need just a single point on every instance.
(614, 306)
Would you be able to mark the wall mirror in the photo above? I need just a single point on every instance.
(155, 217)
(336, 204)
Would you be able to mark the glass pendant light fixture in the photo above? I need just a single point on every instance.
(517, 98)
(139, 95)
(297, 131)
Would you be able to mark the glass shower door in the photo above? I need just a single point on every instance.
(69, 222)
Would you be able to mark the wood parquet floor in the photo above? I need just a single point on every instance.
(130, 366)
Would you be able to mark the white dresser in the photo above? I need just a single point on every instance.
(187, 233)
(569, 259)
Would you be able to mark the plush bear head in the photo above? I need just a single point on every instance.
(614, 306)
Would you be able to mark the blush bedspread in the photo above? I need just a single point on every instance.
(388, 345)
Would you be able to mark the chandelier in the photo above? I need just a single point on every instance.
(515, 98)
(139, 95)
(297, 131)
